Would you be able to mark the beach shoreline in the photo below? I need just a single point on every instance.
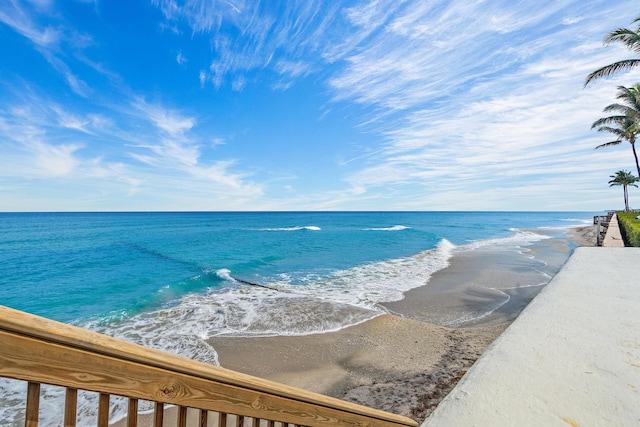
(398, 362)
(403, 362)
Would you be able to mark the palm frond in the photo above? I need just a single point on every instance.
(609, 144)
(629, 38)
(615, 131)
(618, 107)
(608, 70)
(607, 120)
(623, 178)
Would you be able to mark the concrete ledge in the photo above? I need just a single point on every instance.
(572, 358)
(613, 237)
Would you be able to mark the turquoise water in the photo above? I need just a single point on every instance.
(78, 266)
(172, 280)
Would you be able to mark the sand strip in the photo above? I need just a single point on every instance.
(387, 363)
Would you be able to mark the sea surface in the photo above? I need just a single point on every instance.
(172, 280)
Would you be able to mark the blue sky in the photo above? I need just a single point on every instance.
(308, 105)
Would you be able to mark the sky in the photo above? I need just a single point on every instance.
(234, 105)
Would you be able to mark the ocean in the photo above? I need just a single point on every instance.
(172, 280)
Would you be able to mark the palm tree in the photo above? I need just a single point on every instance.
(626, 124)
(628, 38)
(624, 178)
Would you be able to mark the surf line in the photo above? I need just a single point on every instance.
(254, 284)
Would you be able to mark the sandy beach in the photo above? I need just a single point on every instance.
(391, 363)
(403, 362)
(583, 236)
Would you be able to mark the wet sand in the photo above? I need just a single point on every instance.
(403, 362)
(584, 236)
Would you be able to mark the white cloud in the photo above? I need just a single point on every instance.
(17, 17)
(238, 83)
(180, 58)
(48, 40)
(167, 120)
(287, 32)
(55, 160)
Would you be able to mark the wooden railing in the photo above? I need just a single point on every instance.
(42, 351)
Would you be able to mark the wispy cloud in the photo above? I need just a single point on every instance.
(463, 94)
(55, 159)
(279, 36)
(15, 15)
(47, 39)
(180, 59)
(170, 121)
(463, 112)
(43, 140)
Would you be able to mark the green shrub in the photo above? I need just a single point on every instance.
(630, 227)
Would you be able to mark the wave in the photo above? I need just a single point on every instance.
(297, 228)
(580, 221)
(518, 239)
(393, 228)
(279, 306)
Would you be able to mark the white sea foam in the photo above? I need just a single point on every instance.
(297, 228)
(393, 228)
(518, 239)
(580, 221)
(224, 274)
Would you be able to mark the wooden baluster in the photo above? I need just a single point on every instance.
(103, 410)
(204, 417)
(33, 405)
(222, 419)
(255, 422)
(132, 413)
(239, 420)
(271, 423)
(182, 416)
(158, 414)
(70, 407)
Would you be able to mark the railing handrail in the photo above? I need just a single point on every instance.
(34, 331)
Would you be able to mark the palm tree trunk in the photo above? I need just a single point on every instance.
(626, 198)
(635, 155)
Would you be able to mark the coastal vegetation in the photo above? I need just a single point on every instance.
(624, 179)
(624, 124)
(629, 227)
